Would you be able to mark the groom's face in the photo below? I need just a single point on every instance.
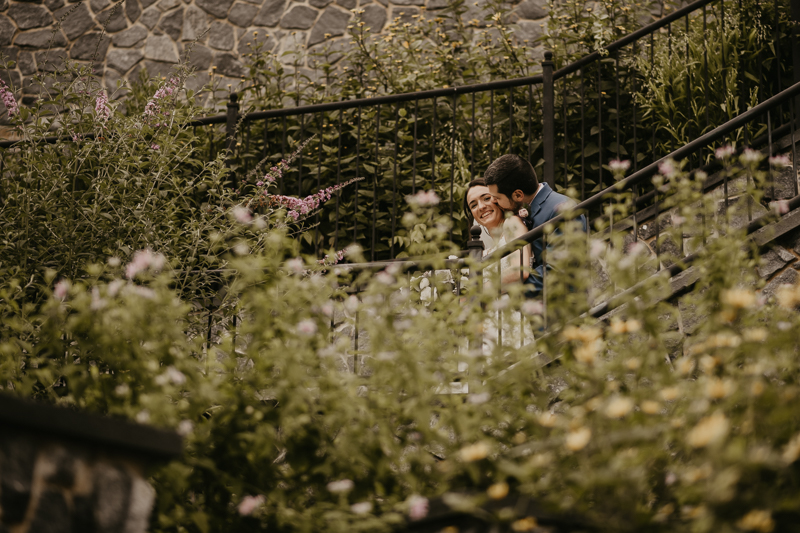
(506, 203)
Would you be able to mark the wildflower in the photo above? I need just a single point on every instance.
(630, 326)
(685, 366)
(153, 110)
(755, 335)
(242, 214)
(584, 334)
(61, 289)
(716, 389)
(596, 248)
(307, 327)
(724, 152)
(738, 298)
(351, 304)
(343, 485)
(619, 407)
(532, 307)
(296, 265)
(185, 427)
(417, 507)
(757, 520)
(669, 394)
(329, 260)
(143, 416)
(634, 363)
(101, 108)
(788, 296)
(424, 199)
(479, 399)
(650, 407)
(143, 260)
(780, 161)
(8, 99)
(780, 207)
(298, 207)
(250, 504)
(548, 419)
(709, 431)
(791, 452)
(474, 452)
(578, 439)
(668, 168)
(155, 147)
(498, 491)
(528, 523)
(384, 277)
(750, 157)
(361, 507)
(757, 388)
(619, 166)
(587, 353)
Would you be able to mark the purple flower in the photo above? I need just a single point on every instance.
(142, 260)
(724, 152)
(250, 504)
(301, 207)
(417, 507)
(101, 108)
(61, 289)
(153, 109)
(154, 147)
(8, 99)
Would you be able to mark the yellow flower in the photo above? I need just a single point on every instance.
(650, 407)
(584, 334)
(634, 363)
(685, 365)
(594, 404)
(709, 431)
(757, 388)
(792, 450)
(738, 298)
(708, 363)
(578, 439)
(757, 520)
(519, 438)
(619, 407)
(525, 524)
(474, 452)
(755, 335)
(787, 296)
(717, 389)
(669, 394)
(498, 491)
(587, 353)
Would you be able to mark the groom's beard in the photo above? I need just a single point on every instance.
(516, 206)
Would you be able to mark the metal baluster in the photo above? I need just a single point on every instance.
(394, 181)
(453, 164)
(283, 152)
(777, 46)
(358, 162)
(616, 88)
(338, 180)
(472, 150)
(414, 152)
(355, 344)
(433, 148)
(600, 124)
(635, 124)
(530, 121)
(769, 143)
(564, 116)
(688, 81)
(300, 158)
(544, 279)
(321, 128)
(794, 149)
(491, 125)
(583, 137)
(511, 120)
(375, 179)
(653, 122)
(705, 66)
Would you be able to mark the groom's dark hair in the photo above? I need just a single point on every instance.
(511, 172)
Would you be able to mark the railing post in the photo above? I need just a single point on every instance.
(475, 247)
(795, 22)
(230, 134)
(548, 120)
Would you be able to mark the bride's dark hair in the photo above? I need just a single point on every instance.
(467, 210)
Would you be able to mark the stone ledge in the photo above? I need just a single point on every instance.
(89, 428)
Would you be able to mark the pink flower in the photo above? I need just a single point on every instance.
(417, 507)
(667, 168)
(8, 99)
(780, 206)
(780, 161)
(296, 265)
(101, 108)
(343, 485)
(596, 248)
(250, 504)
(61, 289)
(424, 199)
(152, 110)
(242, 214)
(361, 507)
(750, 156)
(307, 327)
(301, 207)
(523, 213)
(724, 152)
(328, 260)
(155, 147)
(619, 166)
(142, 260)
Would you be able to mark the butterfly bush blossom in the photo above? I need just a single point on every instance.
(8, 99)
(299, 207)
(101, 108)
(153, 111)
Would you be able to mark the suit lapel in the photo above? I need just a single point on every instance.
(538, 202)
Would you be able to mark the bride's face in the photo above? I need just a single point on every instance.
(484, 207)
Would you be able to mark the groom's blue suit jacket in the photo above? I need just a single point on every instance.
(544, 207)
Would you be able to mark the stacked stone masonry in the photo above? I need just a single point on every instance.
(155, 34)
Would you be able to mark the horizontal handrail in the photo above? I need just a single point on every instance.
(638, 177)
(631, 37)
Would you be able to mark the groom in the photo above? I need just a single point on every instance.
(513, 183)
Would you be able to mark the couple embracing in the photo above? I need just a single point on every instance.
(508, 202)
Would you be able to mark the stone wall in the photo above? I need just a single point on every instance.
(153, 34)
(64, 471)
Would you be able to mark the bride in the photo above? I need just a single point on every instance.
(497, 229)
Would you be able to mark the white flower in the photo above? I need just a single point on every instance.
(343, 485)
(750, 156)
(532, 307)
(307, 327)
(249, 504)
(384, 277)
(295, 265)
(143, 416)
(780, 161)
(61, 289)
(327, 309)
(185, 427)
(619, 407)
(596, 248)
(242, 214)
(351, 304)
(142, 260)
(114, 287)
(781, 207)
(114, 262)
(724, 152)
(175, 375)
(97, 302)
(578, 439)
(122, 389)
(617, 165)
(241, 248)
(361, 507)
(479, 399)
(417, 507)
(668, 168)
